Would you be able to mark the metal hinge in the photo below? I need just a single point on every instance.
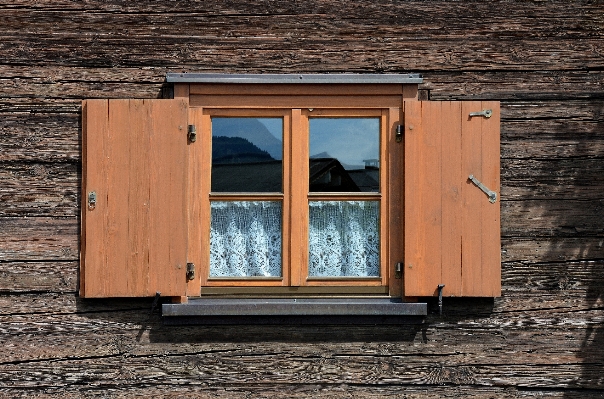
(399, 133)
(398, 270)
(192, 133)
(190, 271)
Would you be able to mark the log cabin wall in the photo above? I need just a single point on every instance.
(543, 60)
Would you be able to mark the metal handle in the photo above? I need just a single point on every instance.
(490, 193)
(485, 112)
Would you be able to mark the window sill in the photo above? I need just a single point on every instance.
(293, 310)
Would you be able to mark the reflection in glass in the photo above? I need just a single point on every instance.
(344, 239)
(245, 239)
(344, 154)
(247, 154)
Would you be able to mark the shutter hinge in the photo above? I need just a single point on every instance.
(190, 271)
(192, 133)
(398, 270)
(399, 133)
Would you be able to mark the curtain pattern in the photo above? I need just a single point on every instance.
(245, 239)
(344, 239)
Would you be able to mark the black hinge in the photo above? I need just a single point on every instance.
(190, 271)
(192, 133)
(399, 133)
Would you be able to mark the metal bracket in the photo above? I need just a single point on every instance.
(192, 133)
(155, 301)
(399, 133)
(92, 200)
(440, 298)
(190, 271)
(485, 112)
(490, 193)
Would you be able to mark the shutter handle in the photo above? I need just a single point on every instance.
(485, 112)
(491, 194)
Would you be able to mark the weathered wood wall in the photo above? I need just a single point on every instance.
(543, 60)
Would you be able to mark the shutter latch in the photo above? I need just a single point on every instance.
(190, 271)
(192, 133)
(92, 200)
(485, 112)
(490, 193)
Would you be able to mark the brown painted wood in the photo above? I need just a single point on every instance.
(451, 200)
(134, 241)
(451, 229)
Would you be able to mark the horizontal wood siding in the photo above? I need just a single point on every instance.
(544, 61)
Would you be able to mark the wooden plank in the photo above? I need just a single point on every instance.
(194, 220)
(297, 89)
(139, 186)
(286, 101)
(114, 277)
(432, 192)
(473, 197)
(396, 191)
(94, 175)
(167, 197)
(451, 156)
(415, 230)
(299, 202)
(491, 224)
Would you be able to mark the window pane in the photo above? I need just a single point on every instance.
(247, 154)
(344, 154)
(245, 239)
(344, 239)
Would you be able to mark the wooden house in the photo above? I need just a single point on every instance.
(538, 332)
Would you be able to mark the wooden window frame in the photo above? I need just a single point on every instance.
(268, 100)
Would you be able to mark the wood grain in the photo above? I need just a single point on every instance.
(542, 60)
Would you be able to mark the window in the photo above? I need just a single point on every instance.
(292, 185)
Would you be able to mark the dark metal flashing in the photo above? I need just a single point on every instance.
(408, 78)
(293, 310)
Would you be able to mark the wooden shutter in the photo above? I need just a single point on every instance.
(452, 230)
(134, 239)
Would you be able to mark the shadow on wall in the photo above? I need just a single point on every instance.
(561, 208)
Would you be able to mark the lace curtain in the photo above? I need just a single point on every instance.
(344, 239)
(245, 239)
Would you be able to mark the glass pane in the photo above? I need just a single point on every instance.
(344, 239)
(247, 154)
(344, 154)
(245, 239)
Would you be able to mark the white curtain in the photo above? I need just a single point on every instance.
(344, 239)
(245, 239)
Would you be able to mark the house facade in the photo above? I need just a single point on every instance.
(543, 337)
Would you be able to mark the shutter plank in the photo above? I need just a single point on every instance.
(416, 204)
(95, 129)
(168, 188)
(135, 239)
(452, 180)
(491, 228)
(471, 239)
(117, 211)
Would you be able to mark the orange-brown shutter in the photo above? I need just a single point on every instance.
(452, 230)
(134, 238)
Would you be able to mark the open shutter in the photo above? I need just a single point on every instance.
(452, 230)
(134, 235)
